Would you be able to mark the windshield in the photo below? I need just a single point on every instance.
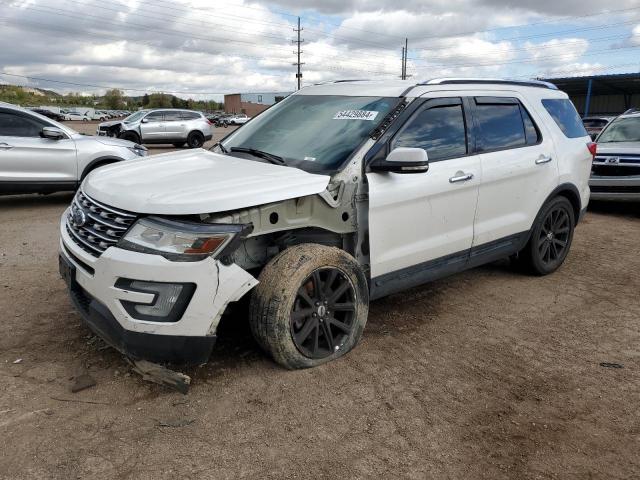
(316, 133)
(622, 130)
(135, 116)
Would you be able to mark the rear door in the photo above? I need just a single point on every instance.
(174, 125)
(26, 157)
(152, 127)
(422, 224)
(519, 169)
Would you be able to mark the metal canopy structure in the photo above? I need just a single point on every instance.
(601, 94)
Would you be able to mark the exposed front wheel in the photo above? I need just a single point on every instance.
(551, 237)
(131, 136)
(195, 140)
(310, 306)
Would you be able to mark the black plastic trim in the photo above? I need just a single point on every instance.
(22, 186)
(185, 296)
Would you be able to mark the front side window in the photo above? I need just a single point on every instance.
(316, 133)
(12, 125)
(154, 117)
(566, 117)
(134, 117)
(438, 130)
(622, 130)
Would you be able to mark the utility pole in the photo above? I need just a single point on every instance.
(402, 67)
(298, 63)
(404, 63)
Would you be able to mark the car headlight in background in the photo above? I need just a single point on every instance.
(138, 150)
(182, 241)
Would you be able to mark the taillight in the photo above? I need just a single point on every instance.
(593, 148)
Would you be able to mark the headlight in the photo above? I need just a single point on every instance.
(138, 150)
(182, 241)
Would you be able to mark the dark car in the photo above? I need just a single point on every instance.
(49, 114)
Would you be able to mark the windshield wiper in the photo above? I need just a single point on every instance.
(275, 159)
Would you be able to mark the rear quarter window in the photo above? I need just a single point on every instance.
(566, 117)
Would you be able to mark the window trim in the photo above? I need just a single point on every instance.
(437, 102)
(28, 117)
(489, 100)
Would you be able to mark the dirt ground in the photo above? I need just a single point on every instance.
(487, 374)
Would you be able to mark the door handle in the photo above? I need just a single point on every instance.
(542, 159)
(5, 146)
(461, 177)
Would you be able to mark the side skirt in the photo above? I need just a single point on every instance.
(17, 187)
(431, 270)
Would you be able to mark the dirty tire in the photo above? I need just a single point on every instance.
(278, 309)
(195, 140)
(131, 136)
(551, 238)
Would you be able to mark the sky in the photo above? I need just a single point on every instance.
(203, 49)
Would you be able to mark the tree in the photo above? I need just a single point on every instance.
(113, 99)
(159, 100)
(145, 100)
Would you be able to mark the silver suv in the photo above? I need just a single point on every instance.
(615, 174)
(161, 126)
(40, 155)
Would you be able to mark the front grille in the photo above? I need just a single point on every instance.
(615, 189)
(616, 165)
(94, 227)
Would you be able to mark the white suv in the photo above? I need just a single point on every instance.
(340, 194)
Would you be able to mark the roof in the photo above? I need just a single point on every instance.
(398, 88)
(616, 84)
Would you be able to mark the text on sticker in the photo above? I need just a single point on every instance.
(355, 115)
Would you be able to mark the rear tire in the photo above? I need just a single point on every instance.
(310, 306)
(195, 140)
(551, 238)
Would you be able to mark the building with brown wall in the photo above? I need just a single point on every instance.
(252, 103)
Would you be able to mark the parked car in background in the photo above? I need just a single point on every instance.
(594, 125)
(174, 126)
(239, 119)
(339, 194)
(74, 115)
(49, 114)
(615, 173)
(100, 115)
(40, 155)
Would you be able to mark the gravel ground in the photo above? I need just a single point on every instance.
(487, 374)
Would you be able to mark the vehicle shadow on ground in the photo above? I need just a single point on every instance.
(35, 200)
(623, 209)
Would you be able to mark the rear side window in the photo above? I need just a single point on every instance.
(504, 123)
(190, 115)
(566, 116)
(438, 130)
(19, 126)
(170, 116)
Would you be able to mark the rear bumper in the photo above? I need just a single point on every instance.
(615, 188)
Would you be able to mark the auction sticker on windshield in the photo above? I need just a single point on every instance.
(355, 115)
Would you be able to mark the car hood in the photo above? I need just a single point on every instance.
(197, 181)
(619, 147)
(109, 124)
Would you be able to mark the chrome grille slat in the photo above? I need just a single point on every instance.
(99, 226)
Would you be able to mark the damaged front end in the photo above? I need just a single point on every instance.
(110, 129)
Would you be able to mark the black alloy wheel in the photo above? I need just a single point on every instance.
(553, 240)
(323, 313)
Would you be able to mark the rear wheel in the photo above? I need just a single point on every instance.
(195, 140)
(551, 238)
(310, 306)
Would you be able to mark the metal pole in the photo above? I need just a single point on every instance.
(587, 102)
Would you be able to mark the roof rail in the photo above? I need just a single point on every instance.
(490, 81)
(632, 110)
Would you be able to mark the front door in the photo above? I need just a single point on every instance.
(26, 158)
(421, 225)
(152, 127)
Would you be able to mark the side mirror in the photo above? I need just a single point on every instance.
(52, 133)
(144, 120)
(403, 160)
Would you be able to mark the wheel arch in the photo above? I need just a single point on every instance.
(99, 162)
(570, 191)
